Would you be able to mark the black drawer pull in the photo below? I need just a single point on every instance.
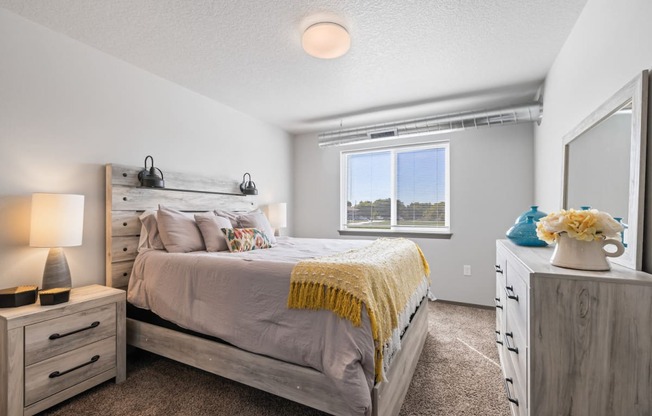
(508, 381)
(498, 341)
(57, 336)
(56, 374)
(513, 295)
(510, 335)
(499, 269)
(498, 306)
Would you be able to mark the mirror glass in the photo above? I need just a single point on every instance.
(604, 164)
(600, 156)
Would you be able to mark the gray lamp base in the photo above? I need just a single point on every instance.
(56, 273)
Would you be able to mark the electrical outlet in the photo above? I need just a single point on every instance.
(467, 270)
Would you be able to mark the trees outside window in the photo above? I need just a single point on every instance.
(396, 188)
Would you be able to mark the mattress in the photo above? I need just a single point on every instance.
(241, 298)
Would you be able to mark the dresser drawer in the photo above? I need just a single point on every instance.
(500, 313)
(499, 302)
(56, 336)
(516, 298)
(73, 367)
(515, 352)
(514, 389)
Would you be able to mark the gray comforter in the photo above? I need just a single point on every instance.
(241, 298)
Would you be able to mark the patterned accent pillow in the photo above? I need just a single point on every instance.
(245, 239)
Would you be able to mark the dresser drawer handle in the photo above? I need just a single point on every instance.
(57, 335)
(510, 348)
(56, 374)
(509, 289)
(508, 381)
(499, 269)
(498, 305)
(498, 341)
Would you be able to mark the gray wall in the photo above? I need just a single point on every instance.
(67, 109)
(491, 184)
(610, 44)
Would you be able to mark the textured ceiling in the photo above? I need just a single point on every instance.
(407, 58)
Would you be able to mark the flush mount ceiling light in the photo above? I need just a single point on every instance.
(326, 40)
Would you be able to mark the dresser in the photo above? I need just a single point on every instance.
(572, 342)
(51, 353)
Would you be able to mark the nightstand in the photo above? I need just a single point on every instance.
(51, 353)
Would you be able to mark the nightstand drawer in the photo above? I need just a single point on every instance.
(48, 377)
(56, 336)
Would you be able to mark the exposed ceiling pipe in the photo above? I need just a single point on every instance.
(434, 125)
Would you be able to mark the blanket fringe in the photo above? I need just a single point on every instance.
(426, 266)
(311, 295)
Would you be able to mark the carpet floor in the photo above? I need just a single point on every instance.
(457, 374)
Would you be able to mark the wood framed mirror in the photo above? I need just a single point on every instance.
(604, 164)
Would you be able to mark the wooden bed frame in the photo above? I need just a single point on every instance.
(125, 200)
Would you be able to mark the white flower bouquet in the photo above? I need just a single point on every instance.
(583, 225)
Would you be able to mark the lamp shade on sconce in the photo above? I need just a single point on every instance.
(278, 215)
(248, 187)
(57, 221)
(148, 177)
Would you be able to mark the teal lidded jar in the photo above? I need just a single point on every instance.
(533, 212)
(524, 233)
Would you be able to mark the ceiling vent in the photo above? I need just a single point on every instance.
(384, 134)
(434, 125)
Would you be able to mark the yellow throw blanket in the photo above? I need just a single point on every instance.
(382, 276)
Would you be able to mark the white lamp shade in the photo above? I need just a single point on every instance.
(278, 215)
(57, 220)
(326, 40)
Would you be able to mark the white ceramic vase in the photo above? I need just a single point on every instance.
(584, 255)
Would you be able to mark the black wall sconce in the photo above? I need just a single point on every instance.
(149, 178)
(248, 187)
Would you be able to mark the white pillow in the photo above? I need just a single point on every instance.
(149, 234)
(230, 215)
(211, 226)
(179, 233)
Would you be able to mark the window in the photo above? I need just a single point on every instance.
(396, 189)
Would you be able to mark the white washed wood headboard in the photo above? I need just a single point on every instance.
(126, 200)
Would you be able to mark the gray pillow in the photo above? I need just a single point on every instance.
(211, 226)
(179, 233)
(256, 219)
(230, 215)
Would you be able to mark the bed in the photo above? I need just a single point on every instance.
(282, 371)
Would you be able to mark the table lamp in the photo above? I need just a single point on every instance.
(278, 216)
(57, 222)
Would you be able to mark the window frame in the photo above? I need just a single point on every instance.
(395, 229)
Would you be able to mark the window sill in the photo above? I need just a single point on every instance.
(398, 233)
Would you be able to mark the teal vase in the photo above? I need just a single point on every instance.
(533, 212)
(524, 233)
